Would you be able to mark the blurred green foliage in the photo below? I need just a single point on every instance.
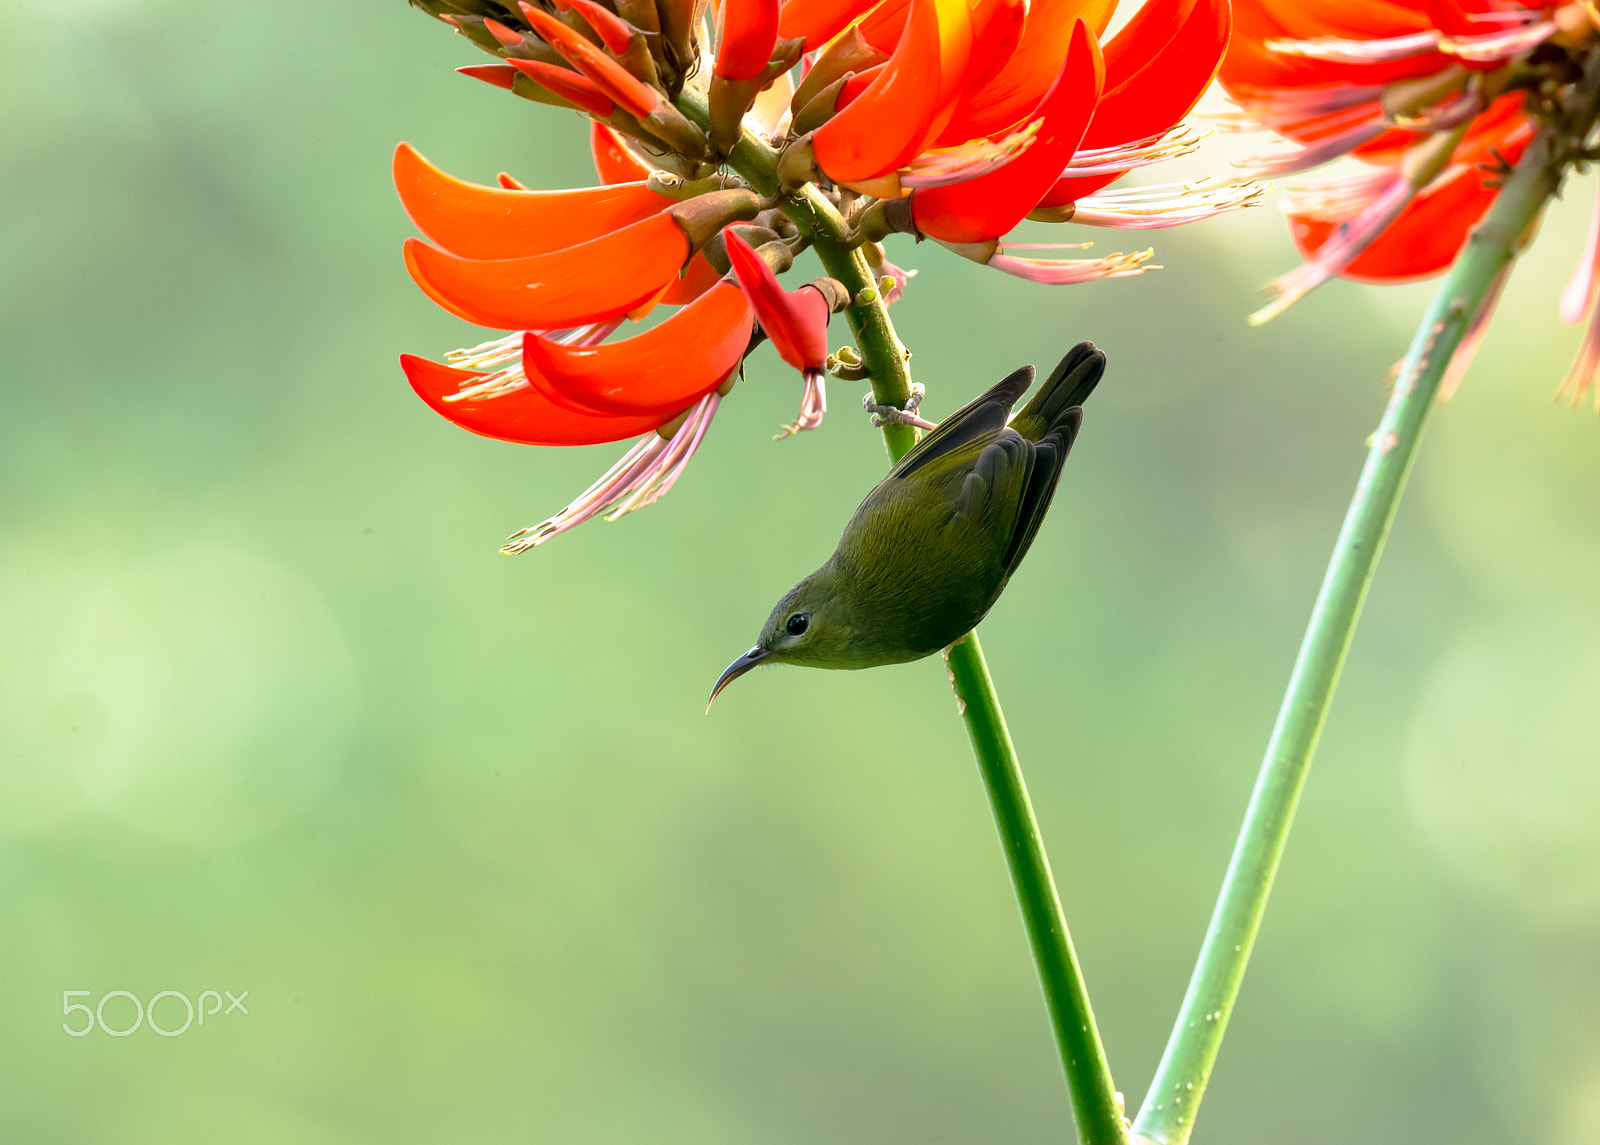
(275, 716)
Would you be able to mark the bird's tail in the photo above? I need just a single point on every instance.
(1068, 385)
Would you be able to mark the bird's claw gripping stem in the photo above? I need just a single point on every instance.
(892, 415)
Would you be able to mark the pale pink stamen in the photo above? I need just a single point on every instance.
(897, 276)
(1494, 46)
(1167, 204)
(1581, 377)
(1335, 49)
(1181, 140)
(650, 467)
(1579, 296)
(680, 449)
(1444, 116)
(1335, 200)
(967, 161)
(1289, 105)
(487, 355)
(1065, 272)
(509, 349)
(813, 405)
(1348, 240)
(1311, 155)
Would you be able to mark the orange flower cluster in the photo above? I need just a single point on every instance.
(1436, 98)
(945, 119)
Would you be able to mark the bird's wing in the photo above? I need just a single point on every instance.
(1052, 420)
(1069, 384)
(1050, 454)
(997, 491)
(971, 426)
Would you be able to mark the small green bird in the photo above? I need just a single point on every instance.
(931, 548)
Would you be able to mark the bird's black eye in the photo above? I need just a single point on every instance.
(797, 624)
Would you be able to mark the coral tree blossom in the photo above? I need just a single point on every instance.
(1436, 99)
(952, 120)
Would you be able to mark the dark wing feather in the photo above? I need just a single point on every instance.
(1068, 385)
(973, 423)
(1052, 420)
(997, 494)
(1050, 456)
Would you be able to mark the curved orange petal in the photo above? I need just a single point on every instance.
(492, 223)
(1152, 26)
(589, 282)
(576, 89)
(524, 416)
(990, 205)
(699, 278)
(655, 373)
(796, 322)
(613, 162)
(610, 77)
(818, 21)
(856, 86)
(1166, 80)
(992, 108)
(894, 118)
(616, 33)
(498, 75)
(749, 33)
(1251, 70)
(883, 26)
(1347, 19)
(996, 31)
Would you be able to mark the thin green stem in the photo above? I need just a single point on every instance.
(1168, 1113)
(819, 221)
(1095, 1101)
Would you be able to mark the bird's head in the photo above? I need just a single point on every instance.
(810, 625)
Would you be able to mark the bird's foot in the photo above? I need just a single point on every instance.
(893, 415)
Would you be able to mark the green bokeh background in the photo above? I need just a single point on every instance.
(276, 717)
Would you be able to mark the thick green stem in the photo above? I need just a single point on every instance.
(1167, 1115)
(1095, 1101)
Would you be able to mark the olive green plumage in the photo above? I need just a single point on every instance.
(931, 548)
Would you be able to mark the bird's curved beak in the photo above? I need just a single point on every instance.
(738, 668)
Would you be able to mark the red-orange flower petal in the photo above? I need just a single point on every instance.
(493, 223)
(1425, 237)
(1157, 82)
(577, 89)
(658, 372)
(613, 162)
(500, 75)
(992, 108)
(893, 120)
(1250, 67)
(612, 78)
(795, 321)
(524, 416)
(996, 32)
(990, 205)
(818, 21)
(699, 278)
(590, 282)
(617, 34)
(883, 26)
(749, 33)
